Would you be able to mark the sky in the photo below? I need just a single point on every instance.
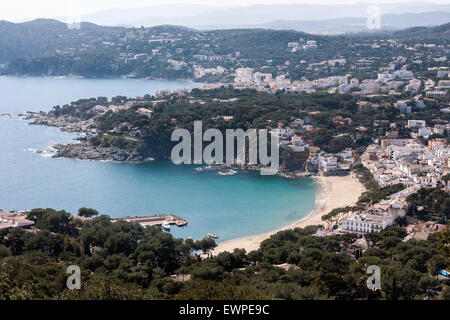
(19, 10)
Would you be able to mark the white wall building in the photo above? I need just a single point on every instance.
(365, 223)
(243, 75)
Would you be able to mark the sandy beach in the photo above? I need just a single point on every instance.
(333, 192)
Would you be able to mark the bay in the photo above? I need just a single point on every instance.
(231, 206)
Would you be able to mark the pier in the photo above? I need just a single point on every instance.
(154, 220)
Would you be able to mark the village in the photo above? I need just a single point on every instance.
(406, 83)
(398, 161)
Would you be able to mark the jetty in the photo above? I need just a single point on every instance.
(154, 220)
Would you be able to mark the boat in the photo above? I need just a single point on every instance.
(165, 225)
(227, 172)
(204, 168)
(211, 236)
(170, 219)
(181, 223)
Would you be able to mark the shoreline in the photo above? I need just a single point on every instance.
(332, 192)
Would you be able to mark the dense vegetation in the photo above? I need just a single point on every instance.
(125, 261)
(430, 204)
(434, 33)
(250, 110)
(132, 131)
(42, 37)
(49, 47)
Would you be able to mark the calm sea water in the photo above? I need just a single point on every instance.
(231, 206)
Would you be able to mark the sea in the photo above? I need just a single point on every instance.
(229, 206)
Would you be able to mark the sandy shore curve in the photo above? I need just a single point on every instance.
(333, 192)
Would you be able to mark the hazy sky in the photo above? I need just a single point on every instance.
(14, 10)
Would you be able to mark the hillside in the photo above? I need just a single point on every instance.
(49, 47)
(441, 32)
(43, 36)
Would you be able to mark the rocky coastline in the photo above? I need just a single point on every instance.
(85, 150)
(65, 123)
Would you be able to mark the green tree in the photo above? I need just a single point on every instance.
(87, 212)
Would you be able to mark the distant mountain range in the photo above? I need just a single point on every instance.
(314, 18)
(389, 22)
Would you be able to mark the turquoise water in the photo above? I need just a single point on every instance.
(231, 206)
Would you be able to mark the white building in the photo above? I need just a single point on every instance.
(365, 223)
(436, 93)
(298, 145)
(403, 74)
(328, 163)
(384, 77)
(243, 75)
(259, 77)
(282, 132)
(416, 124)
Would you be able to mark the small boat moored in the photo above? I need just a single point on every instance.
(229, 172)
(165, 225)
(181, 222)
(211, 236)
